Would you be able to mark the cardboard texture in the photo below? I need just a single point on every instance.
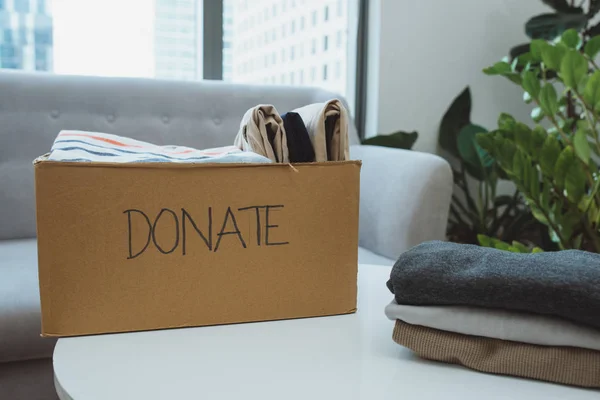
(133, 247)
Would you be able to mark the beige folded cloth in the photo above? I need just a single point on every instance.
(517, 326)
(565, 365)
(262, 132)
(314, 117)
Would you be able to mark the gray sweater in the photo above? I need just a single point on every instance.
(564, 284)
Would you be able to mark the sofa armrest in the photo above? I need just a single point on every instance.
(404, 198)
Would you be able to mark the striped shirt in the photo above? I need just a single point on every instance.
(81, 146)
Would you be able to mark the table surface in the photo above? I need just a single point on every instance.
(342, 357)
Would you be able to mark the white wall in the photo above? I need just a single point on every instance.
(422, 53)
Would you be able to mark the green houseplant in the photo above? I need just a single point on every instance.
(555, 165)
(477, 209)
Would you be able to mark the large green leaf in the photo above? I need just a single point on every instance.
(573, 68)
(506, 122)
(592, 47)
(575, 182)
(456, 117)
(396, 140)
(538, 136)
(582, 146)
(531, 83)
(552, 56)
(549, 155)
(485, 141)
(563, 163)
(535, 49)
(591, 93)
(499, 68)
(473, 154)
(550, 26)
(570, 38)
(548, 100)
(523, 137)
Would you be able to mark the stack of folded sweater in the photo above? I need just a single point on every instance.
(528, 315)
(317, 132)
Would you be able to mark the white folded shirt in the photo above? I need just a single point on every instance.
(499, 324)
(82, 146)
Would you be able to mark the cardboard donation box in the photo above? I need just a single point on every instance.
(142, 246)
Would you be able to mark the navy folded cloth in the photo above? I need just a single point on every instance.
(300, 147)
(563, 284)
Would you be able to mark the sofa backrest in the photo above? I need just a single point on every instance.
(34, 107)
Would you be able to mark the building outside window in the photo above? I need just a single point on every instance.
(328, 26)
(26, 36)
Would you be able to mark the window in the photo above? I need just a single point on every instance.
(23, 39)
(7, 36)
(2, 6)
(283, 52)
(22, 6)
(41, 8)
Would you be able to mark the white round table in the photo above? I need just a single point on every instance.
(342, 357)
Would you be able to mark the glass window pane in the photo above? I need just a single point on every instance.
(285, 53)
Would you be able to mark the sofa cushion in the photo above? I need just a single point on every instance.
(20, 303)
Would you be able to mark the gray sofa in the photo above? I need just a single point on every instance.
(404, 195)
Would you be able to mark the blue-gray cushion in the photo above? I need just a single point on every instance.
(20, 303)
